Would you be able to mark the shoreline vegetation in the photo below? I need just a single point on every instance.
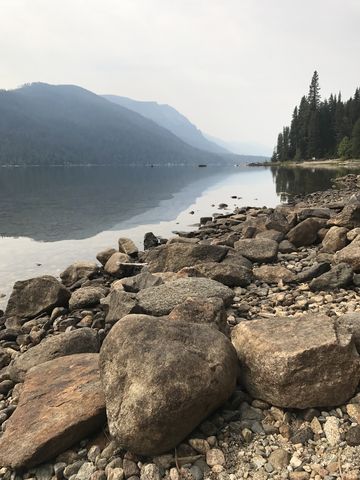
(227, 352)
(331, 162)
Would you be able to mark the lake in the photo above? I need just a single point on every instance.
(50, 217)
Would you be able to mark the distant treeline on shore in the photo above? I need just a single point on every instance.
(321, 129)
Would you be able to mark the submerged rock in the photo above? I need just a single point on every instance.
(161, 379)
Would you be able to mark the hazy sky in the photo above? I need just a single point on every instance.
(235, 68)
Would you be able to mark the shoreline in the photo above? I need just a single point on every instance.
(242, 269)
(351, 163)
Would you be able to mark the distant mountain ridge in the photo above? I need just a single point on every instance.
(169, 118)
(42, 124)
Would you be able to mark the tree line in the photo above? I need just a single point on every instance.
(321, 129)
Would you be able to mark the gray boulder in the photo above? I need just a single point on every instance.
(84, 340)
(350, 255)
(304, 233)
(175, 256)
(162, 299)
(350, 323)
(335, 239)
(87, 297)
(118, 304)
(298, 362)
(114, 266)
(208, 311)
(161, 379)
(349, 217)
(104, 255)
(337, 277)
(35, 296)
(257, 249)
(126, 245)
(230, 275)
(139, 282)
(78, 271)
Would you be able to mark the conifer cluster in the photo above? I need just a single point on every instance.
(321, 129)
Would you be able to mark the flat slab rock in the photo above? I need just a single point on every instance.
(297, 362)
(61, 403)
(162, 299)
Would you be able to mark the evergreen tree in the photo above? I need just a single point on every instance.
(318, 128)
(344, 149)
(355, 139)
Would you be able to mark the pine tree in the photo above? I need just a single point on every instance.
(345, 148)
(314, 92)
(355, 139)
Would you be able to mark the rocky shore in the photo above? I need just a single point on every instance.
(230, 352)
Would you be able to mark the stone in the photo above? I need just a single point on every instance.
(104, 255)
(314, 212)
(84, 340)
(272, 235)
(150, 241)
(154, 395)
(175, 256)
(85, 471)
(62, 402)
(5, 358)
(352, 234)
(350, 322)
(214, 456)
(118, 304)
(115, 474)
(302, 435)
(200, 445)
(150, 472)
(331, 430)
(140, 281)
(298, 362)
(274, 274)
(299, 475)
(164, 298)
(279, 459)
(352, 436)
(277, 221)
(286, 247)
(32, 297)
(235, 259)
(85, 297)
(209, 311)
(227, 274)
(78, 271)
(349, 217)
(304, 233)
(257, 249)
(130, 468)
(335, 239)
(350, 255)
(353, 410)
(126, 245)
(314, 271)
(114, 266)
(338, 276)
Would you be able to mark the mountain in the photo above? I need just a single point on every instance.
(169, 118)
(247, 149)
(42, 124)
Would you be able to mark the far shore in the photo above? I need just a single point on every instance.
(326, 163)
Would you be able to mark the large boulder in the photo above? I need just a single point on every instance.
(140, 281)
(175, 256)
(349, 217)
(338, 276)
(257, 249)
(118, 304)
(115, 265)
(84, 340)
(230, 275)
(78, 271)
(32, 297)
(350, 255)
(297, 362)
(350, 323)
(304, 233)
(126, 245)
(61, 403)
(162, 299)
(161, 379)
(277, 221)
(335, 239)
(87, 296)
(274, 274)
(208, 311)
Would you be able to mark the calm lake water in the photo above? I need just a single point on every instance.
(50, 217)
